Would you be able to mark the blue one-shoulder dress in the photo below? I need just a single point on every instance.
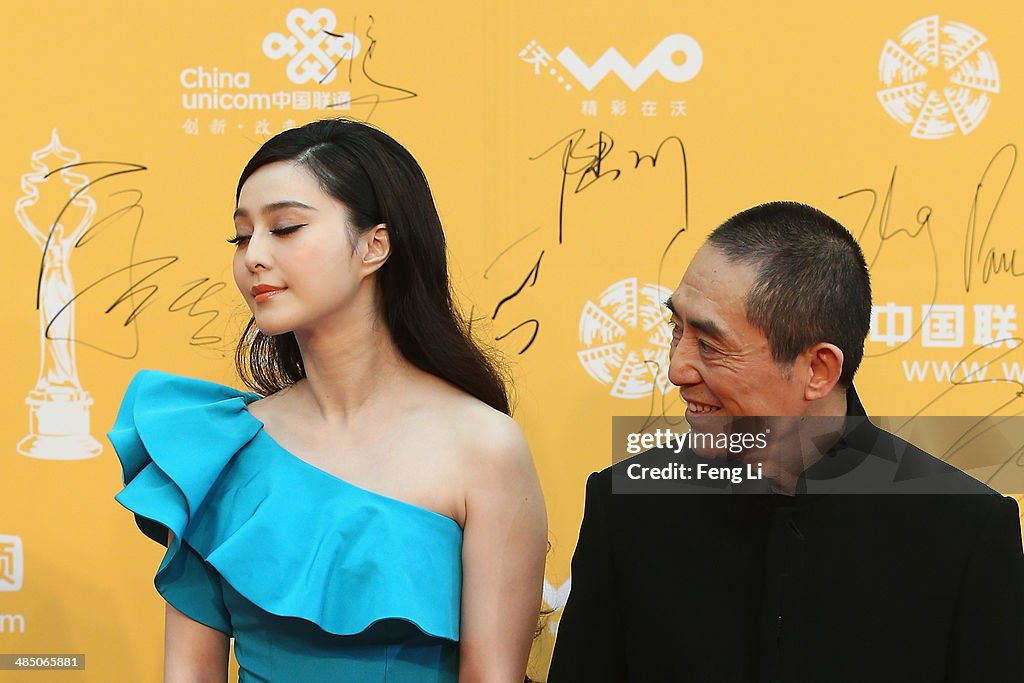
(315, 578)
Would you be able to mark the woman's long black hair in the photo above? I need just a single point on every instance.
(380, 182)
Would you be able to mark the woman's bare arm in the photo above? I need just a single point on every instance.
(193, 652)
(504, 546)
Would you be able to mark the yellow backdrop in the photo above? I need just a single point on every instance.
(579, 153)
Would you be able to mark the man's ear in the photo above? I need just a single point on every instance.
(825, 366)
(374, 247)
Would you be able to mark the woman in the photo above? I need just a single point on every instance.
(372, 514)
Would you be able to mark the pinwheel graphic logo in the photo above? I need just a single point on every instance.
(939, 78)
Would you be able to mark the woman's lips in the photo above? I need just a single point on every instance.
(263, 293)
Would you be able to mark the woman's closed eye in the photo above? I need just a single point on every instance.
(287, 229)
(283, 230)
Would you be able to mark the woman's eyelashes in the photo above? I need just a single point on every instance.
(287, 229)
(283, 230)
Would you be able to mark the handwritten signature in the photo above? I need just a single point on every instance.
(993, 261)
(979, 251)
(873, 243)
(390, 93)
(985, 419)
(143, 287)
(585, 164)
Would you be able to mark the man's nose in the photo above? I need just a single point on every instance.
(682, 369)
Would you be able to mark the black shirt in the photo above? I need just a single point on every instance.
(846, 587)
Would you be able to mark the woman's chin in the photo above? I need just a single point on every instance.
(272, 330)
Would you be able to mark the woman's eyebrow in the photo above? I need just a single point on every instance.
(275, 206)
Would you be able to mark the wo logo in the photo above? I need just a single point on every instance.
(12, 563)
(626, 341)
(939, 79)
(678, 58)
(314, 48)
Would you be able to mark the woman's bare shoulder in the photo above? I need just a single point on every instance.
(468, 412)
(266, 406)
(487, 438)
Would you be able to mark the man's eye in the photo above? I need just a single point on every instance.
(704, 346)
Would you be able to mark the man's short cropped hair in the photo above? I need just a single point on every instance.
(812, 282)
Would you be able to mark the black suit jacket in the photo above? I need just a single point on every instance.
(832, 588)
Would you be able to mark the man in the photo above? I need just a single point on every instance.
(794, 585)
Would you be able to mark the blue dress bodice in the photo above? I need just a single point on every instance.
(314, 577)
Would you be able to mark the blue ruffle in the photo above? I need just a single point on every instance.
(292, 539)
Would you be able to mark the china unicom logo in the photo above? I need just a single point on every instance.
(314, 46)
(939, 78)
(625, 339)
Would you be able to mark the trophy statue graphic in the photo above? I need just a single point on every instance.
(58, 405)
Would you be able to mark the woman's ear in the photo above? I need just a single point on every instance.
(375, 247)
